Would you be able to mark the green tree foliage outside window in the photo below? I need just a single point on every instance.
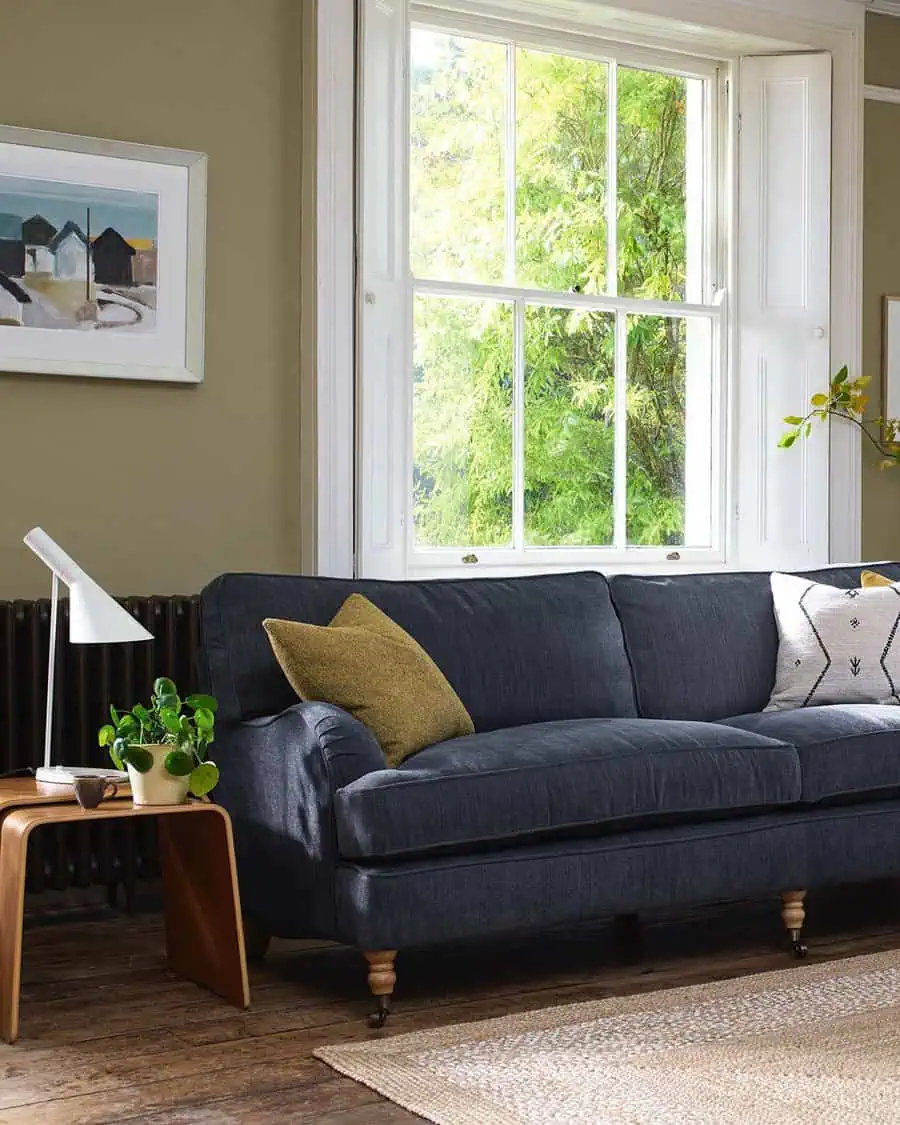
(463, 355)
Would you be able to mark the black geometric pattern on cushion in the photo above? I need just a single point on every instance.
(887, 649)
(815, 631)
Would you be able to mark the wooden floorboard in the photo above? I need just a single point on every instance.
(109, 1036)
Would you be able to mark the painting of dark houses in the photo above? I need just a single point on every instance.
(77, 257)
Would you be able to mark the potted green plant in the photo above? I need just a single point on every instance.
(164, 746)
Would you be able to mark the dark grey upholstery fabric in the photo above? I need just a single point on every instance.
(516, 890)
(526, 889)
(277, 779)
(517, 651)
(704, 646)
(514, 785)
(852, 843)
(846, 751)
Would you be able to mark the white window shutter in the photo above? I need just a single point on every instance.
(385, 290)
(784, 297)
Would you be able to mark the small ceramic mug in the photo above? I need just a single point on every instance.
(90, 791)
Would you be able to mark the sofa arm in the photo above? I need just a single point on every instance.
(347, 748)
(278, 777)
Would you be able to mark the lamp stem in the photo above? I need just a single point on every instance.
(51, 669)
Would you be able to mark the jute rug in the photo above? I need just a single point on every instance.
(812, 1045)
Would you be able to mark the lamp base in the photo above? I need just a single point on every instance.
(67, 775)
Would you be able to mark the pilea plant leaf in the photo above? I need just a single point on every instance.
(204, 778)
(118, 748)
(171, 720)
(204, 718)
(106, 736)
(137, 757)
(208, 702)
(179, 763)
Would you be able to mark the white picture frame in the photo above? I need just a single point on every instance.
(105, 305)
(890, 364)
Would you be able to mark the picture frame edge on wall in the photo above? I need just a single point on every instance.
(195, 164)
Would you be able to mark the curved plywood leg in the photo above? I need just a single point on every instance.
(13, 851)
(204, 931)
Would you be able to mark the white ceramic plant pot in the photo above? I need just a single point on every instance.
(157, 786)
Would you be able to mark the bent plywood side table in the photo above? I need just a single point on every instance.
(204, 934)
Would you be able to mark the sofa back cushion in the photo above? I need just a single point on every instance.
(704, 646)
(515, 650)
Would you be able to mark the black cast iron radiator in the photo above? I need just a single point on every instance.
(88, 679)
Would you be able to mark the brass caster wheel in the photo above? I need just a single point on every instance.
(378, 1019)
(800, 950)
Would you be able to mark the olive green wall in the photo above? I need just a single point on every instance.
(157, 488)
(881, 273)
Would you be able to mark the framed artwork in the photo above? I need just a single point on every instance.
(890, 370)
(102, 258)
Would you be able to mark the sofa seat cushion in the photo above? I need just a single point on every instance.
(561, 778)
(847, 751)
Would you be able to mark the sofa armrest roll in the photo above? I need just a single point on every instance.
(278, 777)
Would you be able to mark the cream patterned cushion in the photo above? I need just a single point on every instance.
(835, 646)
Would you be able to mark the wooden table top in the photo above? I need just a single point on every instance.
(22, 792)
(34, 815)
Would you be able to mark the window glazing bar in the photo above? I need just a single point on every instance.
(549, 299)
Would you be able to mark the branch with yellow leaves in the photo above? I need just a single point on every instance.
(847, 400)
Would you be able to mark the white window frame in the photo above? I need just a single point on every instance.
(331, 528)
(423, 561)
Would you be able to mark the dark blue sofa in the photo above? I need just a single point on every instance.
(621, 763)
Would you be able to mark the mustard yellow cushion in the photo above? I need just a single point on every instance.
(365, 663)
(873, 578)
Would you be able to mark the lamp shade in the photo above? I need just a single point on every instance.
(94, 616)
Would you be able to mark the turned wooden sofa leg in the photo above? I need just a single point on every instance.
(793, 914)
(382, 979)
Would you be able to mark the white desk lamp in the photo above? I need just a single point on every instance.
(94, 618)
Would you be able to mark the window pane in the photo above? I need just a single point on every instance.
(669, 461)
(462, 423)
(561, 168)
(569, 418)
(457, 157)
(652, 188)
